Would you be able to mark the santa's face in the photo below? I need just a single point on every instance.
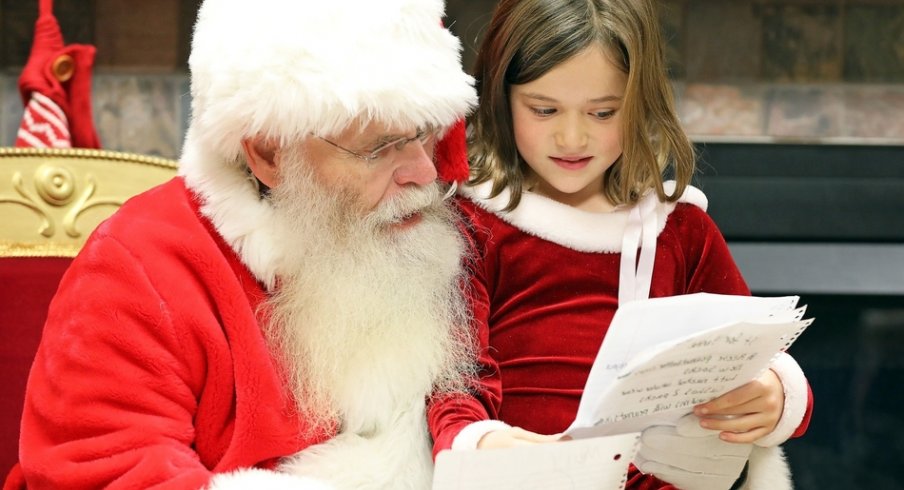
(369, 313)
(374, 161)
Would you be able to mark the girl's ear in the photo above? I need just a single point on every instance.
(261, 159)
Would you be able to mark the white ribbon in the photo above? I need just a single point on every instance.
(635, 277)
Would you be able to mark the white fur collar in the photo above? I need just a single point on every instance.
(231, 202)
(571, 227)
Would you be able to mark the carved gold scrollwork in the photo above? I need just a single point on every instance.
(47, 227)
(82, 204)
(56, 186)
(51, 198)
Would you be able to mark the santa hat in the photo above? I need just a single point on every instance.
(286, 69)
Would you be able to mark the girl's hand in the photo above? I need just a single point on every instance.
(746, 413)
(511, 437)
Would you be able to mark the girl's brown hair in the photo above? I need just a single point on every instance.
(527, 38)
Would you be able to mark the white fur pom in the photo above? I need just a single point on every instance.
(396, 457)
(258, 478)
(768, 470)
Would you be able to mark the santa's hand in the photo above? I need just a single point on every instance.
(691, 457)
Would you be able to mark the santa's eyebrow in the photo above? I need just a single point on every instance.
(387, 138)
(372, 142)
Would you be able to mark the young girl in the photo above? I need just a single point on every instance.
(570, 216)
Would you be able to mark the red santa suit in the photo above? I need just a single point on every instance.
(545, 288)
(156, 298)
(154, 370)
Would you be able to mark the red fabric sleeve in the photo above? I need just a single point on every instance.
(152, 370)
(713, 270)
(710, 267)
(449, 414)
(111, 396)
(805, 422)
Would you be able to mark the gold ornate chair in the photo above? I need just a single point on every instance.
(50, 201)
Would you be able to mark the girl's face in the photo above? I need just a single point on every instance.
(568, 127)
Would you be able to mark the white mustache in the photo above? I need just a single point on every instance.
(408, 202)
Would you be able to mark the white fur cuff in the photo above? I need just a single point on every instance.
(471, 434)
(794, 384)
(258, 478)
(768, 470)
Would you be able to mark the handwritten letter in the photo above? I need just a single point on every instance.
(629, 390)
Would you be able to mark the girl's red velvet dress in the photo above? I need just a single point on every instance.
(545, 289)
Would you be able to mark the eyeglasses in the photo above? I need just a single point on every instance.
(427, 136)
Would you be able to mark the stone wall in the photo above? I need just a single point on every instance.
(811, 71)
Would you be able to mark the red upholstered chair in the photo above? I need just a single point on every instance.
(50, 201)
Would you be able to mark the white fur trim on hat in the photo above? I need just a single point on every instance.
(286, 69)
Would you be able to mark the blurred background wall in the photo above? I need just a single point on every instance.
(797, 110)
(829, 71)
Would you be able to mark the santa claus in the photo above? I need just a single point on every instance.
(278, 315)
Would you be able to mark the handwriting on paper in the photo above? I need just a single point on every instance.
(660, 384)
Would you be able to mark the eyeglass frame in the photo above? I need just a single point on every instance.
(422, 134)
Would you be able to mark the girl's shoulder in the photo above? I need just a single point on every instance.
(689, 211)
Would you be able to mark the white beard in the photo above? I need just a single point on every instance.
(370, 322)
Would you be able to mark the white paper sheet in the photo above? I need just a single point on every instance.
(599, 463)
(662, 356)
